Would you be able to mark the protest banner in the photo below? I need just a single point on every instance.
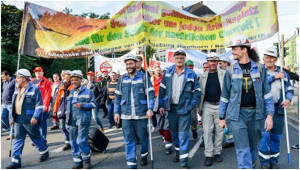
(51, 34)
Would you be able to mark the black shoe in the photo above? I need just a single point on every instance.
(208, 161)
(67, 146)
(265, 167)
(54, 127)
(295, 147)
(168, 151)
(44, 157)
(144, 161)
(87, 164)
(176, 157)
(77, 166)
(218, 158)
(13, 166)
(111, 126)
(275, 166)
(195, 135)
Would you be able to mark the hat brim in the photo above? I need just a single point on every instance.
(240, 45)
(130, 59)
(37, 70)
(271, 54)
(76, 76)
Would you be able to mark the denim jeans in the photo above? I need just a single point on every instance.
(6, 109)
(96, 116)
(110, 107)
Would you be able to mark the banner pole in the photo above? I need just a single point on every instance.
(281, 54)
(23, 35)
(149, 120)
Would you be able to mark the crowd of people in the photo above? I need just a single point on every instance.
(243, 98)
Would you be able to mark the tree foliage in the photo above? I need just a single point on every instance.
(11, 20)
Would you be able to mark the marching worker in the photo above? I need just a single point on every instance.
(7, 90)
(80, 103)
(269, 145)
(162, 121)
(179, 93)
(246, 99)
(194, 124)
(27, 110)
(205, 67)
(211, 85)
(59, 108)
(98, 93)
(110, 94)
(45, 88)
(224, 63)
(55, 87)
(131, 107)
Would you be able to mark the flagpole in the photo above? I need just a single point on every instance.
(149, 120)
(24, 34)
(281, 47)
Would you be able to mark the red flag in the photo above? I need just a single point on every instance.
(145, 66)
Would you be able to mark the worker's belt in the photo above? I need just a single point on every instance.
(250, 108)
(213, 103)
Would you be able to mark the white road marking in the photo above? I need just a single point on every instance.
(195, 147)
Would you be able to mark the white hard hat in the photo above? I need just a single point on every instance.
(76, 73)
(240, 41)
(130, 57)
(68, 72)
(23, 72)
(225, 59)
(271, 52)
(212, 56)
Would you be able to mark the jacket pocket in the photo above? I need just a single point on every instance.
(29, 99)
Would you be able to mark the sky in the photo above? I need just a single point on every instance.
(288, 12)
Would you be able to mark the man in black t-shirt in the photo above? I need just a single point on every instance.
(211, 85)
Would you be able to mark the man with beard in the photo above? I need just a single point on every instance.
(79, 107)
(27, 110)
(246, 101)
(131, 107)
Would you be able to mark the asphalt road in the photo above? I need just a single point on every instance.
(114, 157)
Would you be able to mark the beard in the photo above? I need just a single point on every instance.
(133, 70)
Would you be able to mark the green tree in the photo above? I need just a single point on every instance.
(11, 19)
(67, 10)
